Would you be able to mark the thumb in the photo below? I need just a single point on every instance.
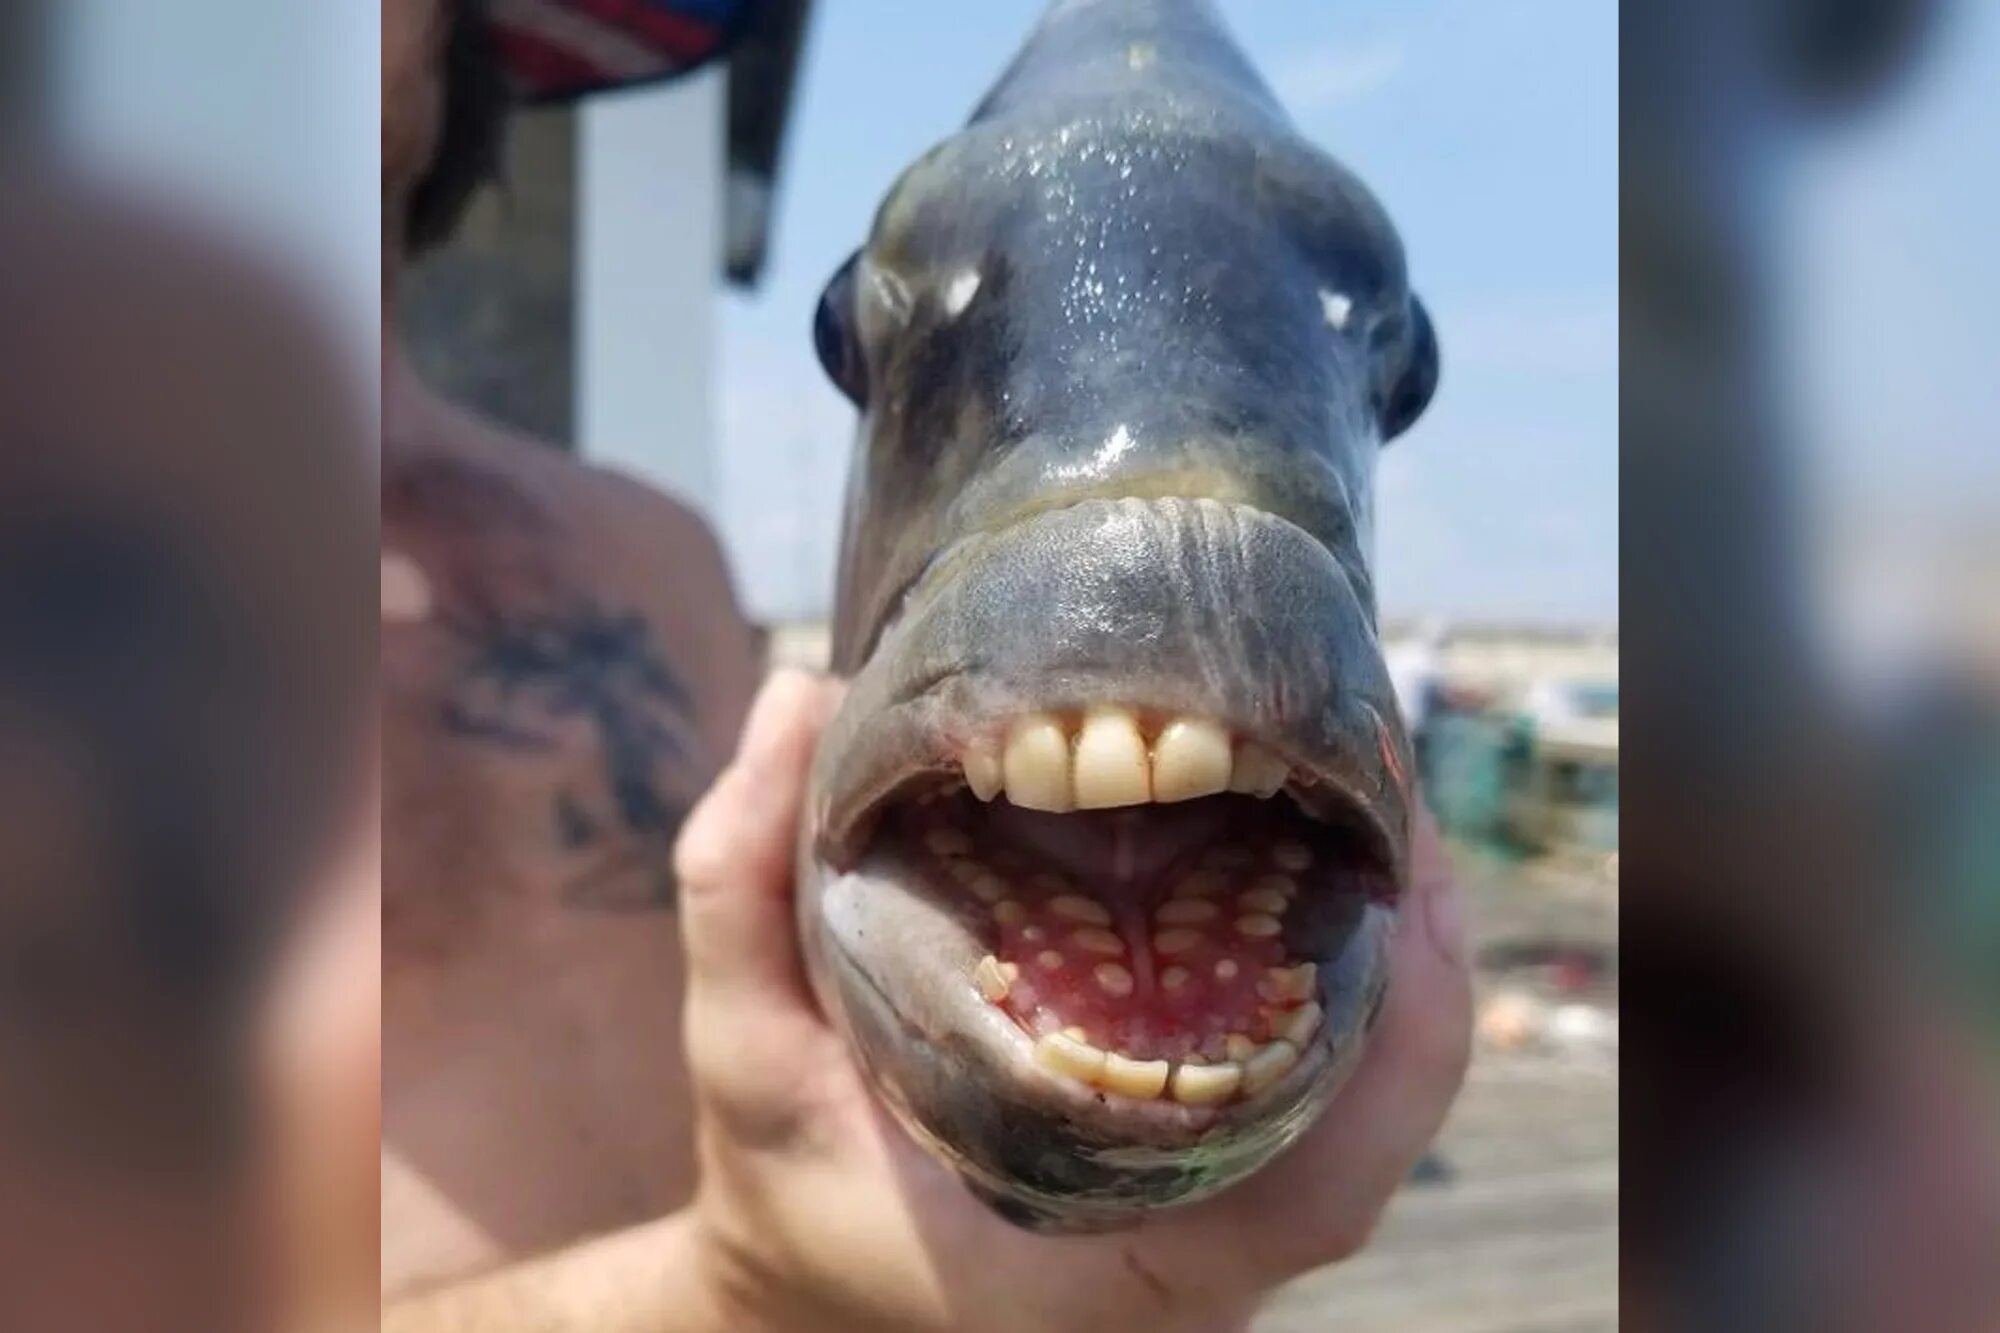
(734, 858)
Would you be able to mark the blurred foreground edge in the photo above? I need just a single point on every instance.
(1808, 1109)
(187, 515)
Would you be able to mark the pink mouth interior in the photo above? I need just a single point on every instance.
(1159, 932)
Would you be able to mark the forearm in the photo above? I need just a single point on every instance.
(650, 1279)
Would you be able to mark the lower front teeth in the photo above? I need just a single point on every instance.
(992, 979)
(1249, 1069)
(1068, 1055)
(1205, 1085)
(1187, 1083)
(1268, 1065)
(1142, 1079)
(1303, 1022)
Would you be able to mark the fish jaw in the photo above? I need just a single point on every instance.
(1101, 899)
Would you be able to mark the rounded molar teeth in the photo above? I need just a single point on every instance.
(1190, 759)
(1284, 886)
(1072, 907)
(1289, 983)
(1257, 771)
(1199, 884)
(1142, 1079)
(1268, 1065)
(1205, 1085)
(1186, 912)
(1113, 979)
(1290, 855)
(1036, 765)
(945, 840)
(1258, 926)
(1096, 939)
(1230, 857)
(982, 772)
(1069, 1055)
(1111, 767)
(1262, 900)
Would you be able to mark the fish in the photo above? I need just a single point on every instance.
(1102, 849)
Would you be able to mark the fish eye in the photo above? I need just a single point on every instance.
(833, 335)
(1412, 375)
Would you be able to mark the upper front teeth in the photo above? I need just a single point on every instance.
(1257, 771)
(1109, 764)
(1111, 768)
(982, 772)
(1190, 759)
(1036, 765)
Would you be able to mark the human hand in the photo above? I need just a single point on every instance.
(816, 1211)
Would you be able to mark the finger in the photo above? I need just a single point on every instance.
(1323, 1200)
(734, 857)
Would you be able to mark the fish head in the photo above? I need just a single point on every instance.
(1105, 842)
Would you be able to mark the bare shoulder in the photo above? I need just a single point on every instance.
(655, 523)
(577, 679)
(678, 567)
(637, 547)
(622, 515)
(615, 535)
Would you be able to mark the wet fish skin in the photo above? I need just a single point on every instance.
(1126, 349)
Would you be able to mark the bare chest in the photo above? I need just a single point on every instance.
(546, 751)
(543, 727)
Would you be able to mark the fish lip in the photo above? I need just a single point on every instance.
(912, 588)
(933, 682)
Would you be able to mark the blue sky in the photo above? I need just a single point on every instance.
(1488, 127)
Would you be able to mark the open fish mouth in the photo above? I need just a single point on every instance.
(1149, 901)
(1102, 948)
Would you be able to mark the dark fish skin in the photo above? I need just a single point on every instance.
(1126, 349)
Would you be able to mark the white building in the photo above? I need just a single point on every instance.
(580, 301)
